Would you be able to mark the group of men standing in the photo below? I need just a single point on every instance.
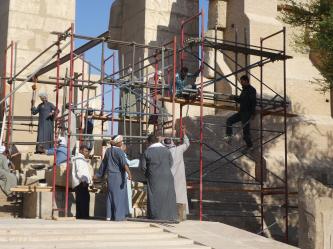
(163, 166)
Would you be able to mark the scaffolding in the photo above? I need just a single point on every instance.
(151, 92)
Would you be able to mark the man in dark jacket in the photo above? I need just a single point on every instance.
(247, 107)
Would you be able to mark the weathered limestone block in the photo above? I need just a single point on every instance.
(32, 7)
(64, 9)
(39, 204)
(26, 21)
(315, 205)
(217, 14)
(60, 176)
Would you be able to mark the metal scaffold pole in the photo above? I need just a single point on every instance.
(55, 140)
(201, 109)
(70, 99)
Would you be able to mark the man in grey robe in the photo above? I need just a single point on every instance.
(45, 123)
(156, 163)
(115, 166)
(8, 180)
(178, 168)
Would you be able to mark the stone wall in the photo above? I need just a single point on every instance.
(315, 208)
(30, 24)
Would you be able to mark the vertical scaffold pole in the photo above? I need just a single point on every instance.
(82, 95)
(3, 106)
(181, 121)
(182, 34)
(10, 108)
(14, 86)
(262, 217)
(70, 97)
(155, 88)
(132, 94)
(163, 84)
(102, 86)
(236, 63)
(55, 138)
(174, 83)
(201, 105)
(285, 139)
(112, 103)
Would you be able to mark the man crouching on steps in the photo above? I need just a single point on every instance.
(81, 180)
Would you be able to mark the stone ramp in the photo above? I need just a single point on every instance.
(44, 234)
(221, 236)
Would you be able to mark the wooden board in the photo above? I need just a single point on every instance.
(183, 102)
(31, 189)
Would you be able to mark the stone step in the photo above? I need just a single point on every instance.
(30, 224)
(112, 237)
(128, 242)
(192, 246)
(74, 231)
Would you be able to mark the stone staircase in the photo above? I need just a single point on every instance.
(47, 234)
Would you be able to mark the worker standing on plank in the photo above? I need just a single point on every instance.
(46, 111)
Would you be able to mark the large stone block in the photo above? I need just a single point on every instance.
(63, 9)
(217, 14)
(55, 24)
(315, 206)
(31, 6)
(39, 205)
(25, 21)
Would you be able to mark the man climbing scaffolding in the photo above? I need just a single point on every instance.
(247, 108)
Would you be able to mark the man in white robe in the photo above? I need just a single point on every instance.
(178, 168)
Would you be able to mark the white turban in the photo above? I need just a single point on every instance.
(2, 149)
(62, 141)
(42, 94)
(117, 139)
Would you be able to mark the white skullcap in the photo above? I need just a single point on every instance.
(62, 141)
(117, 139)
(2, 149)
(42, 94)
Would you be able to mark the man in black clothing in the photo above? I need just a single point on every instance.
(247, 101)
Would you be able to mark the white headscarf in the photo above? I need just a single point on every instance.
(62, 141)
(2, 149)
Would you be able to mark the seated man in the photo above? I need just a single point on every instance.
(61, 151)
(182, 83)
(8, 180)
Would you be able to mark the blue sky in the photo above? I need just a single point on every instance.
(92, 19)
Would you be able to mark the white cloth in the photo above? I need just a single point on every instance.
(2, 149)
(156, 145)
(80, 170)
(62, 141)
(132, 164)
(178, 171)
